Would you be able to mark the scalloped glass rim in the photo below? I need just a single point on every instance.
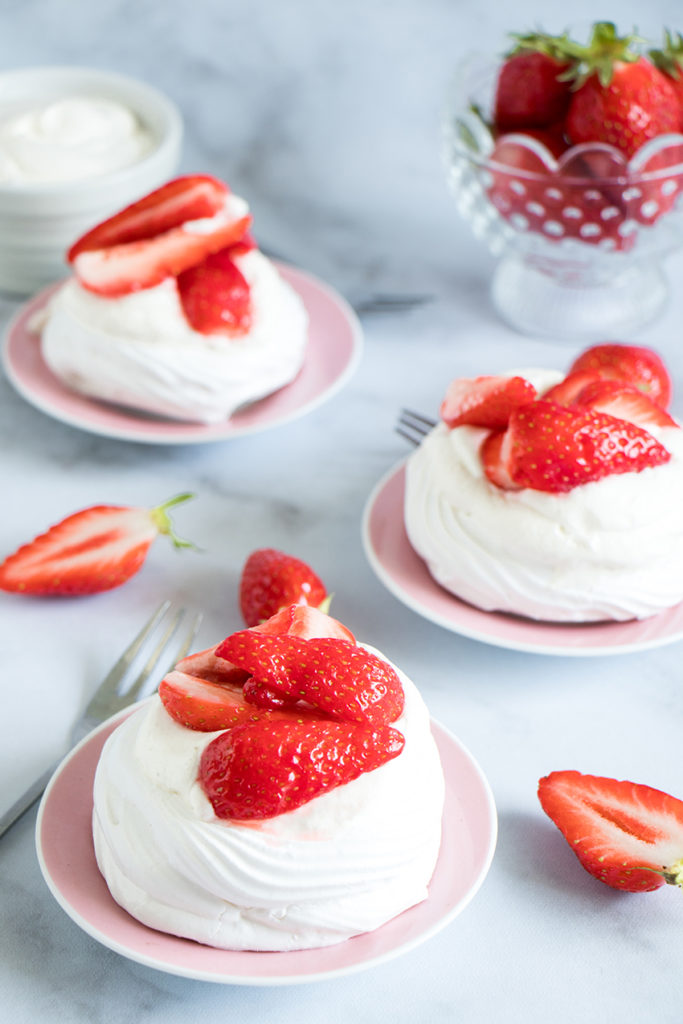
(460, 115)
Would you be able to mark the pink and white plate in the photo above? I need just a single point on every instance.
(334, 350)
(404, 573)
(67, 861)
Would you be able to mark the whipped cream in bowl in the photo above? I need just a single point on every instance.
(343, 863)
(70, 139)
(75, 145)
(609, 549)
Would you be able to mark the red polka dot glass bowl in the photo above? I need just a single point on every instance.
(581, 237)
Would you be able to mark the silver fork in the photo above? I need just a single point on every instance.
(413, 426)
(117, 690)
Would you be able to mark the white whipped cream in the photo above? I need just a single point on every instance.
(611, 549)
(342, 864)
(140, 351)
(69, 139)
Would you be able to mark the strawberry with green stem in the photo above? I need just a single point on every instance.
(625, 834)
(618, 96)
(96, 549)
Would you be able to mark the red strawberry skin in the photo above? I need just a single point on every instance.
(191, 197)
(553, 448)
(625, 401)
(304, 622)
(334, 676)
(215, 296)
(638, 104)
(203, 705)
(625, 834)
(258, 770)
(633, 363)
(96, 549)
(133, 266)
(272, 580)
(484, 401)
(529, 93)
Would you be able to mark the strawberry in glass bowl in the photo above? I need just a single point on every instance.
(567, 159)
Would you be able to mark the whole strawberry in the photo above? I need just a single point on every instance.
(96, 549)
(531, 91)
(620, 97)
(272, 580)
(669, 60)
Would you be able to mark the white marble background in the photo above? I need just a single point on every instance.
(326, 116)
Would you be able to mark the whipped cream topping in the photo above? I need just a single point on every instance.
(139, 350)
(343, 864)
(607, 550)
(69, 139)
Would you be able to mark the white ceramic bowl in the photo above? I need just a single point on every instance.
(39, 220)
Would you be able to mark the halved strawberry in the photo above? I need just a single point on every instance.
(135, 266)
(206, 706)
(633, 363)
(203, 705)
(96, 549)
(553, 448)
(484, 401)
(192, 197)
(566, 392)
(207, 665)
(272, 580)
(304, 622)
(215, 295)
(625, 834)
(333, 676)
(266, 768)
(627, 402)
(495, 454)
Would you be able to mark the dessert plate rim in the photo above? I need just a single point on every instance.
(333, 354)
(67, 862)
(401, 570)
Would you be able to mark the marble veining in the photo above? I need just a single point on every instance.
(327, 118)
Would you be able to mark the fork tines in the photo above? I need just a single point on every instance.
(164, 640)
(413, 426)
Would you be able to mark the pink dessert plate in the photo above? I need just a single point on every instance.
(334, 350)
(404, 573)
(67, 861)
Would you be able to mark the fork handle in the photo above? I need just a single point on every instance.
(25, 801)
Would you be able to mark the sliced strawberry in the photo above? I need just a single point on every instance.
(625, 401)
(639, 366)
(96, 549)
(566, 392)
(494, 454)
(333, 676)
(627, 835)
(304, 622)
(272, 580)
(555, 449)
(206, 665)
(484, 401)
(215, 295)
(203, 705)
(192, 197)
(133, 266)
(266, 768)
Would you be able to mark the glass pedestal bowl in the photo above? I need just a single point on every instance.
(581, 238)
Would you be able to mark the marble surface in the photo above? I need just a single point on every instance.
(326, 117)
